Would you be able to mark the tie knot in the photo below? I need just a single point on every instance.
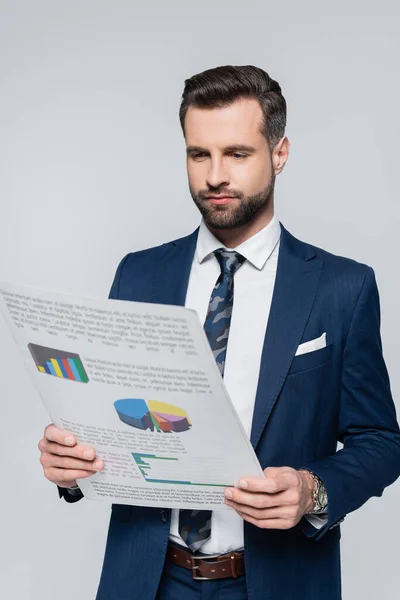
(229, 260)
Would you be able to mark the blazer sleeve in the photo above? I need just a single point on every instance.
(367, 425)
(69, 496)
(115, 288)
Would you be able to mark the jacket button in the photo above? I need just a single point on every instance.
(164, 516)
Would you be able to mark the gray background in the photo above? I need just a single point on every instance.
(92, 166)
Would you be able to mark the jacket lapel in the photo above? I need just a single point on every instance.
(171, 275)
(296, 284)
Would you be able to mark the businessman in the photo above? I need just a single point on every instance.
(295, 331)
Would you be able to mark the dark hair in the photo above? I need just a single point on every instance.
(221, 86)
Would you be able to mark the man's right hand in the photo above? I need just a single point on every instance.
(63, 460)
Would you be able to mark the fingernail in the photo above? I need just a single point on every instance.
(98, 464)
(243, 483)
(69, 440)
(228, 494)
(89, 454)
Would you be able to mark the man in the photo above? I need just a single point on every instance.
(301, 357)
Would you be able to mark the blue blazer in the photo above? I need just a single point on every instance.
(304, 405)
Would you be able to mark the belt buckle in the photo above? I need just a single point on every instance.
(196, 567)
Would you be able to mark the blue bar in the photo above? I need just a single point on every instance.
(74, 369)
(51, 368)
(46, 368)
(62, 368)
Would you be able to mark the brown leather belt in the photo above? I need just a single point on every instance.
(208, 567)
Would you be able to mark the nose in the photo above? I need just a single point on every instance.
(217, 175)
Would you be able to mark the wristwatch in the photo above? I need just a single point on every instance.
(320, 496)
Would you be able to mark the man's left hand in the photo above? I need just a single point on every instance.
(277, 502)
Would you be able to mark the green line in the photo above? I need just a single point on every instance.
(165, 458)
(186, 483)
(156, 425)
(214, 484)
(140, 456)
(81, 370)
(168, 481)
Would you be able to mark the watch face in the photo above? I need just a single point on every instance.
(322, 496)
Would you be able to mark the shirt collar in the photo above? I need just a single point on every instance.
(256, 249)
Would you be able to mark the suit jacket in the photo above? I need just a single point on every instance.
(304, 405)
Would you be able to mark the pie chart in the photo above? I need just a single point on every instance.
(152, 415)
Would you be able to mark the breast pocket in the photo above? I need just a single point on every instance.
(311, 360)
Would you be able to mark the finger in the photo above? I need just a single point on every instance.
(281, 512)
(66, 462)
(54, 434)
(269, 523)
(62, 476)
(82, 452)
(269, 485)
(262, 500)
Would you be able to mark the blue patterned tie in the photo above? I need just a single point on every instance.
(195, 525)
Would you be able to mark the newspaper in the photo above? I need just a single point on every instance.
(138, 382)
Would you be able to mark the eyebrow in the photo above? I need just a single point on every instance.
(232, 148)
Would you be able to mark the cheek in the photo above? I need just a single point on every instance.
(196, 177)
(252, 178)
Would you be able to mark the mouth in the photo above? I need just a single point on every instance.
(220, 199)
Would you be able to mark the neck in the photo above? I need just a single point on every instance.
(231, 238)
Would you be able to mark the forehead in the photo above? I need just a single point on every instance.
(237, 123)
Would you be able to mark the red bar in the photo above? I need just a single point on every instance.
(68, 369)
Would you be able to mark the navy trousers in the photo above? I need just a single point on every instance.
(177, 582)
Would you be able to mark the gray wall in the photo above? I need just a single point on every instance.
(92, 165)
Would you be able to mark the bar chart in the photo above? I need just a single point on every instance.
(58, 363)
(169, 470)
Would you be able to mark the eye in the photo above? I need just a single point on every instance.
(238, 155)
(198, 155)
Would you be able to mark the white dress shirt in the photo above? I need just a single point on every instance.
(253, 288)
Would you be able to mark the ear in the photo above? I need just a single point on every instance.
(280, 154)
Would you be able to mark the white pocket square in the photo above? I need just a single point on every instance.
(312, 345)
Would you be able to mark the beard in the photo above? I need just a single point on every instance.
(240, 212)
